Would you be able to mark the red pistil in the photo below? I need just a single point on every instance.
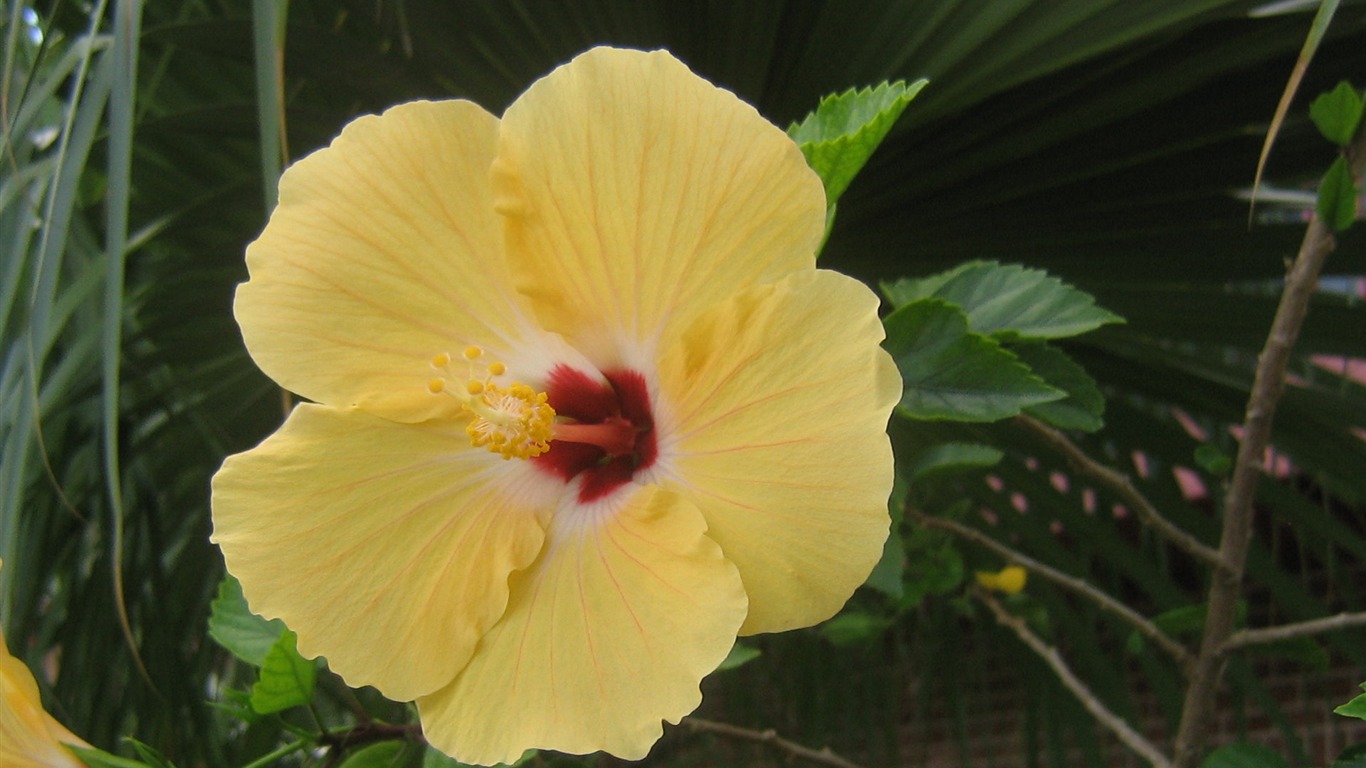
(611, 435)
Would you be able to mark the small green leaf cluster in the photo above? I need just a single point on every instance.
(1245, 754)
(1356, 707)
(843, 131)
(1338, 115)
(285, 714)
(972, 345)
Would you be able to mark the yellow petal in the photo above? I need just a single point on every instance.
(776, 429)
(384, 251)
(628, 608)
(29, 736)
(385, 546)
(636, 194)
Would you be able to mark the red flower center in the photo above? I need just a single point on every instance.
(609, 435)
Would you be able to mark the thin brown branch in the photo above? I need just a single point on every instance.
(1077, 586)
(1267, 385)
(370, 733)
(1123, 487)
(1116, 724)
(823, 756)
(1246, 637)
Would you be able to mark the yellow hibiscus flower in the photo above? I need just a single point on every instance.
(29, 736)
(584, 409)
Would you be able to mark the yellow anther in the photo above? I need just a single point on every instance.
(513, 421)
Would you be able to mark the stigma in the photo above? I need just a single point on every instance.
(512, 420)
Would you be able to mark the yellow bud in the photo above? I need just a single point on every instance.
(1010, 579)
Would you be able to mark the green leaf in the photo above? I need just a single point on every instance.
(232, 624)
(1213, 460)
(934, 566)
(1009, 302)
(387, 754)
(952, 373)
(1243, 754)
(853, 628)
(948, 458)
(286, 679)
(1185, 621)
(739, 656)
(1084, 405)
(886, 575)
(149, 755)
(844, 130)
(98, 758)
(237, 704)
(909, 289)
(1354, 708)
(1305, 652)
(1338, 113)
(1353, 756)
(1337, 200)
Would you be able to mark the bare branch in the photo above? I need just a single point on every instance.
(823, 756)
(1077, 586)
(1123, 487)
(1121, 729)
(1265, 635)
(1267, 384)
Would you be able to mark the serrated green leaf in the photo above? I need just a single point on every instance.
(232, 624)
(844, 130)
(286, 679)
(1084, 405)
(1244, 754)
(740, 655)
(1337, 199)
(953, 457)
(1009, 302)
(1354, 708)
(1338, 113)
(908, 289)
(952, 373)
